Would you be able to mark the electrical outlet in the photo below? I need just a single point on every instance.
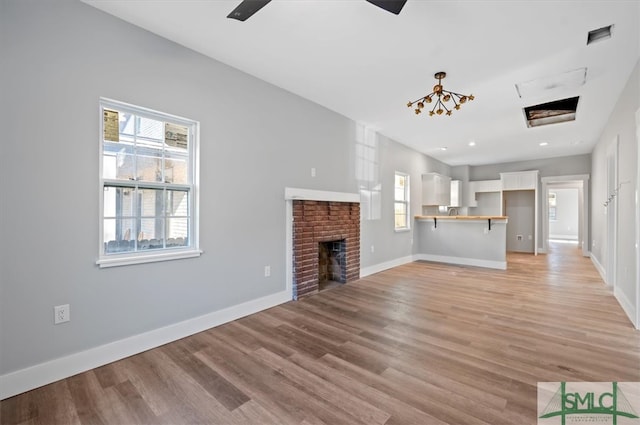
(486, 230)
(313, 172)
(61, 314)
(373, 248)
(519, 237)
(267, 271)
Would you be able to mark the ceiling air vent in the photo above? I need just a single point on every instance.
(552, 112)
(599, 34)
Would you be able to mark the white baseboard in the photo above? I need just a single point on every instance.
(376, 268)
(490, 264)
(598, 266)
(564, 237)
(626, 305)
(45, 373)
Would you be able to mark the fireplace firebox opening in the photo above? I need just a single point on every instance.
(331, 264)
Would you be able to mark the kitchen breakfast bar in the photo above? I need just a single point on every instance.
(466, 240)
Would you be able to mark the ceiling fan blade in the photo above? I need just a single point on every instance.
(393, 6)
(246, 9)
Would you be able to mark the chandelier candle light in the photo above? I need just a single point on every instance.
(442, 96)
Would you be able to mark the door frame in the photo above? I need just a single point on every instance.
(637, 318)
(611, 211)
(581, 182)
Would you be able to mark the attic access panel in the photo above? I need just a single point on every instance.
(552, 112)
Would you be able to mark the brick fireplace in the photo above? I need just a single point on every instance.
(316, 222)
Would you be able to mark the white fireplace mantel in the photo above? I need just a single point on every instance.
(294, 193)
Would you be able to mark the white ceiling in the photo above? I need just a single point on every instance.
(365, 63)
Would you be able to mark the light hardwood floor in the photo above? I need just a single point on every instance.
(423, 343)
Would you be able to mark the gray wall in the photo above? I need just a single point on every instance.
(489, 203)
(565, 226)
(561, 166)
(58, 58)
(621, 125)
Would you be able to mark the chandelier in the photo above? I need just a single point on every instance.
(441, 97)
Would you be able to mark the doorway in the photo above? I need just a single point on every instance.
(579, 184)
(563, 214)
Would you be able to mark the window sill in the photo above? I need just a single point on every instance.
(402, 229)
(127, 260)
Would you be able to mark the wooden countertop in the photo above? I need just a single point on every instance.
(462, 217)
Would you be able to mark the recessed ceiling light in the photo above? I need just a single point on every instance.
(544, 143)
(576, 142)
(472, 143)
(443, 148)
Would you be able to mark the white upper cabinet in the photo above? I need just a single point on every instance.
(521, 180)
(436, 189)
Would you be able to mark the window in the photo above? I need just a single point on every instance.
(401, 204)
(148, 178)
(552, 206)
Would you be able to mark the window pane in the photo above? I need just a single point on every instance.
(151, 234)
(177, 203)
(118, 235)
(127, 123)
(117, 162)
(149, 164)
(400, 187)
(150, 129)
(118, 202)
(151, 202)
(400, 212)
(175, 169)
(176, 137)
(177, 231)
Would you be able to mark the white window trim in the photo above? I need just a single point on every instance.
(131, 258)
(402, 229)
(407, 201)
